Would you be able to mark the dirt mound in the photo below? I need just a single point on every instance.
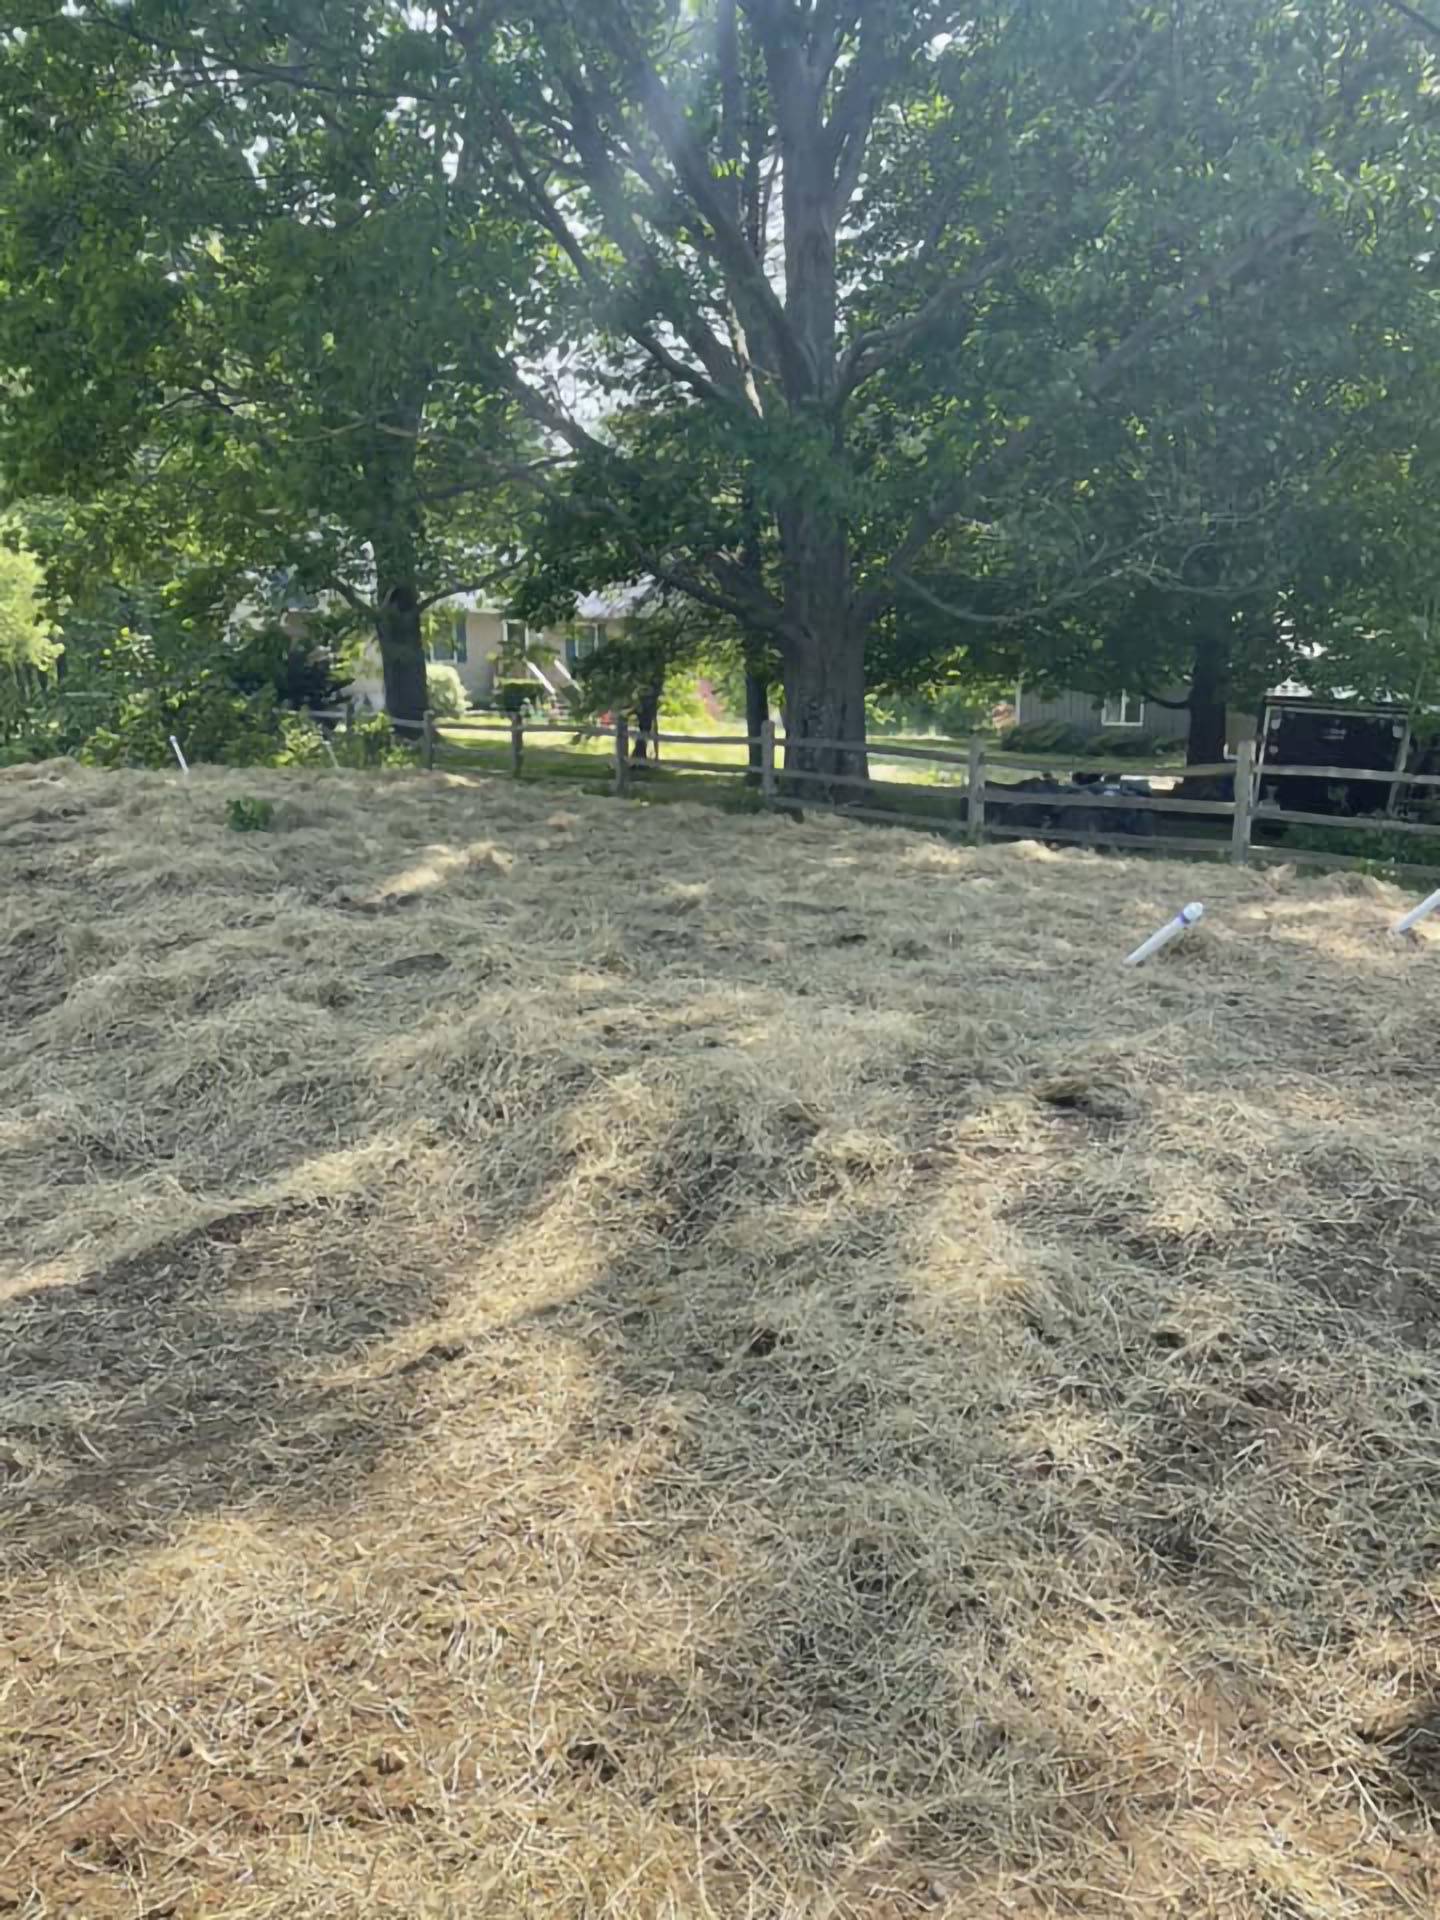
(626, 1361)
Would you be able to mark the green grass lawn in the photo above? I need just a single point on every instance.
(932, 794)
(566, 757)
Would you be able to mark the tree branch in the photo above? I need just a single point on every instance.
(497, 574)
(1429, 27)
(1106, 373)
(547, 210)
(596, 157)
(874, 349)
(744, 599)
(748, 282)
(356, 602)
(852, 116)
(869, 352)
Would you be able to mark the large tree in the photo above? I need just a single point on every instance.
(868, 266)
(259, 320)
(871, 270)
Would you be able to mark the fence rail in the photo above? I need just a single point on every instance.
(983, 805)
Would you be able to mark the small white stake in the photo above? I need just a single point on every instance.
(1162, 937)
(1417, 914)
(175, 749)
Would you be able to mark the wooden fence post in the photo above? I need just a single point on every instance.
(622, 756)
(517, 743)
(429, 739)
(767, 761)
(976, 809)
(1244, 803)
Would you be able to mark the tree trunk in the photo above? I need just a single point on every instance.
(647, 720)
(822, 654)
(402, 654)
(825, 701)
(1209, 711)
(395, 524)
(757, 712)
(1209, 693)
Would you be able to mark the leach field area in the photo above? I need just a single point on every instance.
(564, 1359)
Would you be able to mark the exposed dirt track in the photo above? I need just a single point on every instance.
(564, 1360)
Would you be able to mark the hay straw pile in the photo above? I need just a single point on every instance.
(568, 1360)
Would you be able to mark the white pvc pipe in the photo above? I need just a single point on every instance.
(1417, 914)
(1162, 936)
(175, 748)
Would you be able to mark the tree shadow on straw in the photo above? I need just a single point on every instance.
(864, 1512)
(196, 1377)
(993, 1559)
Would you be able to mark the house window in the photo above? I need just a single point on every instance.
(440, 648)
(1123, 710)
(515, 638)
(581, 644)
(459, 643)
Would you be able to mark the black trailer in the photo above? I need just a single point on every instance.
(1299, 730)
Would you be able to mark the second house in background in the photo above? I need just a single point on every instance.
(485, 646)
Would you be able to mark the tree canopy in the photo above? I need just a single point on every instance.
(269, 345)
(898, 338)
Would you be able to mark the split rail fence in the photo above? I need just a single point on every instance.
(986, 802)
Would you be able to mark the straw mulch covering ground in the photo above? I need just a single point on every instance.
(568, 1360)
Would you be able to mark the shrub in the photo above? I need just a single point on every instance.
(1132, 745)
(225, 729)
(1044, 736)
(955, 712)
(246, 815)
(372, 742)
(514, 696)
(1377, 846)
(887, 714)
(1060, 737)
(682, 706)
(959, 714)
(211, 722)
(444, 691)
(300, 671)
(301, 743)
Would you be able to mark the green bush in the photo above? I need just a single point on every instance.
(959, 714)
(302, 743)
(247, 815)
(1133, 745)
(213, 724)
(1061, 737)
(372, 742)
(220, 728)
(955, 712)
(1044, 736)
(514, 696)
(682, 706)
(1379, 847)
(444, 691)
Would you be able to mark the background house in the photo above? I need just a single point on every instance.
(1120, 712)
(485, 646)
